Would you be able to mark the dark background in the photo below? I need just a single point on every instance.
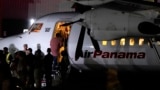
(15, 14)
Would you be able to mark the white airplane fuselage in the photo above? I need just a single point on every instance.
(82, 48)
(42, 37)
(121, 56)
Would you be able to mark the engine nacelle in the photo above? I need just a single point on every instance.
(108, 24)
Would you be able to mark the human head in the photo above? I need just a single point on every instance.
(38, 46)
(5, 49)
(25, 46)
(58, 35)
(48, 50)
(29, 50)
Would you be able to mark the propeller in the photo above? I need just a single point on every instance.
(79, 52)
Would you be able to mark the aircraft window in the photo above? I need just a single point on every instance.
(113, 42)
(131, 42)
(104, 43)
(122, 41)
(141, 41)
(36, 27)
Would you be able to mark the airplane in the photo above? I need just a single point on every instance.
(100, 36)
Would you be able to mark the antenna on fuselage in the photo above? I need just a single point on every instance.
(66, 24)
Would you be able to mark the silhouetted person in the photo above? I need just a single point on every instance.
(39, 49)
(22, 72)
(8, 56)
(48, 61)
(2, 58)
(5, 74)
(30, 67)
(5, 78)
(38, 68)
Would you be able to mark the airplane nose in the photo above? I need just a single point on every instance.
(148, 28)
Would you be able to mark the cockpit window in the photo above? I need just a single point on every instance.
(36, 27)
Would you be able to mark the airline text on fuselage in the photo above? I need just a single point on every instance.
(120, 55)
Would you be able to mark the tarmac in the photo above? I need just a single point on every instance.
(99, 80)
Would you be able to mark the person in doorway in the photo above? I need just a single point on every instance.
(55, 44)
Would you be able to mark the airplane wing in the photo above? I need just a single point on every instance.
(91, 2)
(122, 5)
(133, 5)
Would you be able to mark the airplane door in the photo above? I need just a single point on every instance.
(78, 42)
(72, 43)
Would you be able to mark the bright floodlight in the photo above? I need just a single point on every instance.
(32, 21)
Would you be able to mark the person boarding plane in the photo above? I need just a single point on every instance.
(100, 36)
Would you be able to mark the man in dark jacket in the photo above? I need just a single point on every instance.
(48, 59)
